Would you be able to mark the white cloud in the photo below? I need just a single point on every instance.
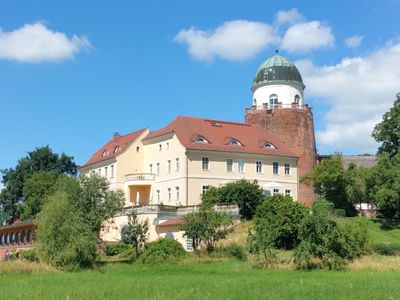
(36, 43)
(288, 16)
(359, 90)
(307, 36)
(233, 40)
(354, 41)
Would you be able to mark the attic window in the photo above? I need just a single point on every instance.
(105, 153)
(234, 142)
(200, 139)
(268, 146)
(117, 149)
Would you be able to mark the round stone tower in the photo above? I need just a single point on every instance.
(278, 105)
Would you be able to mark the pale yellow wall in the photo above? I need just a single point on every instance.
(171, 149)
(218, 175)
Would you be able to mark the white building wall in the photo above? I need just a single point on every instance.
(285, 93)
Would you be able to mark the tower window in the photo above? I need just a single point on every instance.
(273, 101)
(297, 99)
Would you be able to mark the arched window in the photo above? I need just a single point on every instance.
(200, 139)
(273, 101)
(297, 99)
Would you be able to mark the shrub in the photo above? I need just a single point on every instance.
(235, 251)
(128, 254)
(340, 212)
(162, 251)
(322, 207)
(388, 249)
(116, 248)
(30, 255)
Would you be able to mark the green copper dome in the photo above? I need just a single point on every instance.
(277, 69)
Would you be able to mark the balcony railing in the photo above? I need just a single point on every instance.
(140, 177)
(267, 106)
(229, 208)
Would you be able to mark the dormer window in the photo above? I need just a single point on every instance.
(268, 146)
(200, 139)
(105, 153)
(117, 149)
(234, 142)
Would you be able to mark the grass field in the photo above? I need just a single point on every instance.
(218, 280)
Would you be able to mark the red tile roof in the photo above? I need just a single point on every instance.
(121, 141)
(219, 133)
(171, 222)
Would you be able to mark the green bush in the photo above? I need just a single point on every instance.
(128, 254)
(340, 212)
(389, 249)
(162, 251)
(115, 248)
(235, 251)
(322, 207)
(30, 255)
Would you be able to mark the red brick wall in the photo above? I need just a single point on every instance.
(295, 126)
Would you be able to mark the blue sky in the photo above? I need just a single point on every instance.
(74, 72)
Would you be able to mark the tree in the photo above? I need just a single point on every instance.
(329, 181)
(388, 131)
(206, 227)
(356, 184)
(276, 223)
(36, 189)
(42, 159)
(98, 202)
(135, 233)
(64, 239)
(247, 195)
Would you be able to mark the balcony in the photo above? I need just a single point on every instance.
(269, 107)
(141, 177)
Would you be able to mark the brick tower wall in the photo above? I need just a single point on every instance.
(295, 126)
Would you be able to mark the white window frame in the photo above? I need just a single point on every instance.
(288, 192)
(189, 243)
(106, 172)
(169, 194)
(241, 165)
(158, 196)
(275, 192)
(204, 189)
(273, 169)
(231, 165)
(177, 193)
(166, 145)
(112, 171)
(259, 162)
(288, 169)
(151, 168)
(205, 161)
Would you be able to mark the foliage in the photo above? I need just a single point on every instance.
(389, 249)
(356, 184)
(340, 213)
(128, 254)
(235, 251)
(388, 131)
(42, 159)
(247, 195)
(30, 255)
(135, 233)
(98, 202)
(322, 207)
(206, 227)
(115, 248)
(276, 223)
(162, 251)
(35, 191)
(332, 244)
(64, 238)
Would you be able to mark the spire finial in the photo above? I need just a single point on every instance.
(276, 51)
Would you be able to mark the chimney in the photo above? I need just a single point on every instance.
(116, 136)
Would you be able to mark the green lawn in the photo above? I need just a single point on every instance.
(217, 280)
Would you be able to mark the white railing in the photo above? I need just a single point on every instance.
(267, 106)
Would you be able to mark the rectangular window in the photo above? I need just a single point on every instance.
(151, 168)
(169, 166)
(287, 169)
(158, 169)
(229, 165)
(167, 146)
(99, 171)
(169, 194)
(189, 243)
(177, 164)
(241, 165)
(158, 196)
(205, 188)
(288, 193)
(205, 163)
(276, 191)
(177, 193)
(106, 172)
(259, 166)
(275, 168)
(112, 171)
(159, 147)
